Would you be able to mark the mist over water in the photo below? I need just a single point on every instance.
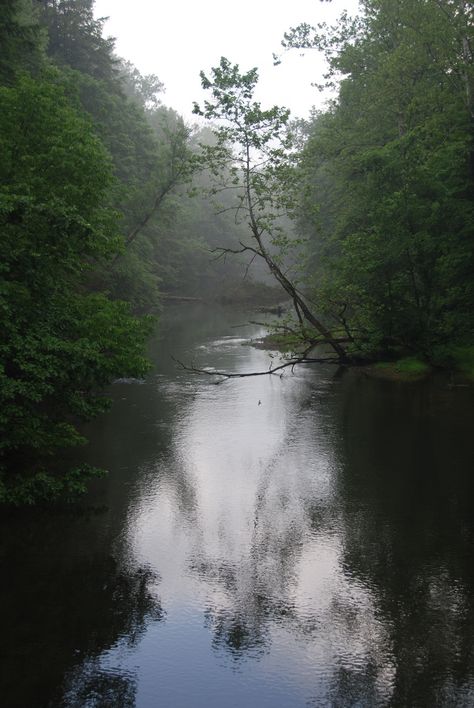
(281, 542)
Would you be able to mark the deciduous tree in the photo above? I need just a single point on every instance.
(254, 154)
(60, 345)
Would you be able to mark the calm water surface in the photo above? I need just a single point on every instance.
(280, 543)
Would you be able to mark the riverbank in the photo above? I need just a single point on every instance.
(457, 362)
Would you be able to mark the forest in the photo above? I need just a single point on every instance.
(361, 215)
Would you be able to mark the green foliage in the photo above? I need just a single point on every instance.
(43, 486)
(21, 40)
(464, 360)
(252, 151)
(144, 90)
(60, 345)
(146, 142)
(149, 145)
(391, 166)
(75, 37)
(253, 155)
(458, 358)
(406, 368)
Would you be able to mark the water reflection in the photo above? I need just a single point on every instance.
(413, 539)
(91, 686)
(247, 501)
(307, 540)
(64, 600)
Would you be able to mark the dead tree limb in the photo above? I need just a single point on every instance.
(291, 363)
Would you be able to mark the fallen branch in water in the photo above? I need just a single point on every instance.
(291, 363)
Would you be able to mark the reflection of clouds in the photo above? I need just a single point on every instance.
(340, 614)
(261, 548)
(292, 580)
(263, 540)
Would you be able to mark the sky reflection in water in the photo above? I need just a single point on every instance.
(268, 520)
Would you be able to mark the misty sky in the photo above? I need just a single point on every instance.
(176, 39)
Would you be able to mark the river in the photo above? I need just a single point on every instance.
(269, 542)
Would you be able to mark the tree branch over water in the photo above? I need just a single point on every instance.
(279, 370)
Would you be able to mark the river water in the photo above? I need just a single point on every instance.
(268, 542)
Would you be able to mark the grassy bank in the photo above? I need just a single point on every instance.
(462, 359)
(459, 361)
(406, 369)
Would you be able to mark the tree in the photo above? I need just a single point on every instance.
(21, 40)
(144, 89)
(75, 38)
(60, 344)
(147, 143)
(254, 154)
(390, 163)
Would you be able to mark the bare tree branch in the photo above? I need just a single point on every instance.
(291, 363)
(223, 252)
(247, 268)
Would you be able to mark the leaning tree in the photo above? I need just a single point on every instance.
(254, 156)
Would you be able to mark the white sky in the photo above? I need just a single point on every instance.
(175, 39)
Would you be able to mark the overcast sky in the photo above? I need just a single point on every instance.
(175, 39)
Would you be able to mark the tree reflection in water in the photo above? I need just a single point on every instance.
(122, 613)
(357, 545)
(408, 453)
(68, 608)
(91, 686)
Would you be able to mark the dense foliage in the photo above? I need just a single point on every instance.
(382, 188)
(388, 177)
(61, 344)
